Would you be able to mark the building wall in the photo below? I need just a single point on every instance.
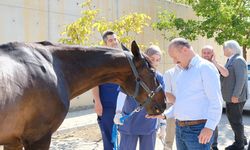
(29, 21)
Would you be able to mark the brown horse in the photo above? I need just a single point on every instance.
(38, 80)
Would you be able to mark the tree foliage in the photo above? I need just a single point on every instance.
(221, 19)
(90, 22)
(187, 2)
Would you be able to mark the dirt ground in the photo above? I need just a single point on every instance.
(90, 133)
(84, 138)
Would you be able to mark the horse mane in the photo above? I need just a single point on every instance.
(45, 43)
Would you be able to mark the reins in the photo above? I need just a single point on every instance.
(115, 140)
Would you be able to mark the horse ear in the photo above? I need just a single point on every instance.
(124, 47)
(135, 49)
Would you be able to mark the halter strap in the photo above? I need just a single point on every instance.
(139, 82)
(135, 72)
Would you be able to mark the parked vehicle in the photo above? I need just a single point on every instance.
(247, 105)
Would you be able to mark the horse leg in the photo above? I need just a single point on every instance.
(17, 146)
(41, 144)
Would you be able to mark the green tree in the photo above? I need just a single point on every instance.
(90, 22)
(187, 2)
(221, 19)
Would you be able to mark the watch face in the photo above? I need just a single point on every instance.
(164, 117)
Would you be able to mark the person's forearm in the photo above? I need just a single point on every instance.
(223, 70)
(170, 98)
(120, 101)
(95, 93)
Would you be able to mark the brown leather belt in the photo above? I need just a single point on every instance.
(190, 122)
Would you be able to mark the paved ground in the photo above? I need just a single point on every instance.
(79, 131)
(225, 135)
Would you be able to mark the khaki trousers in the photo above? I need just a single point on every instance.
(170, 133)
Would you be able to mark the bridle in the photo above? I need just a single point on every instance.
(140, 83)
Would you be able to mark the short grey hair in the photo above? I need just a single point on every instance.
(208, 47)
(152, 50)
(179, 42)
(233, 45)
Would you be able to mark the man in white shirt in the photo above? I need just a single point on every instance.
(198, 105)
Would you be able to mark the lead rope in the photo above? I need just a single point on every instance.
(115, 127)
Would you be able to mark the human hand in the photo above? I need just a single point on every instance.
(170, 98)
(117, 118)
(161, 116)
(213, 59)
(234, 99)
(205, 135)
(98, 108)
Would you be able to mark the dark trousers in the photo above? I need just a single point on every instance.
(234, 115)
(106, 123)
(215, 140)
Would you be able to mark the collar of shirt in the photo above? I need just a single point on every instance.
(178, 67)
(193, 61)
(231, 57)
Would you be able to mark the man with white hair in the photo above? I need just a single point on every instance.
(234, 89)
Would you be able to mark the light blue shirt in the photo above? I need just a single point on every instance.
(170, 77)
(198, 94)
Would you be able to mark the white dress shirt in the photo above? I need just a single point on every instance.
(170, 77)
(198, 94)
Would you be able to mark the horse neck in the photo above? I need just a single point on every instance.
(83, 68)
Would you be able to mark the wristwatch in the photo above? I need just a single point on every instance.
(164, 116)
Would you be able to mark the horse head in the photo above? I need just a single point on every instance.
(146, 89)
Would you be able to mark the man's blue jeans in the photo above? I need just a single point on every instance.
(187, 138)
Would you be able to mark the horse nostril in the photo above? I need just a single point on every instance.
(156, 109)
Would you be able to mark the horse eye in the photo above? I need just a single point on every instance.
(153, 70)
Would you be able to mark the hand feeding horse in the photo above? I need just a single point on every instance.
(37, 81)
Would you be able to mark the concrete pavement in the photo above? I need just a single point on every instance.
(87, 117)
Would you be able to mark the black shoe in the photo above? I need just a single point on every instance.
(214, 148)
(245, 141)
(234, 146)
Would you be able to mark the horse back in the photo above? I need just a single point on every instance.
(29, 94)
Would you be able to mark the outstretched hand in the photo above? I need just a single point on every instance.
(161, 116)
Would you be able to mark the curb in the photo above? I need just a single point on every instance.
(65, 130)
(77, 120)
